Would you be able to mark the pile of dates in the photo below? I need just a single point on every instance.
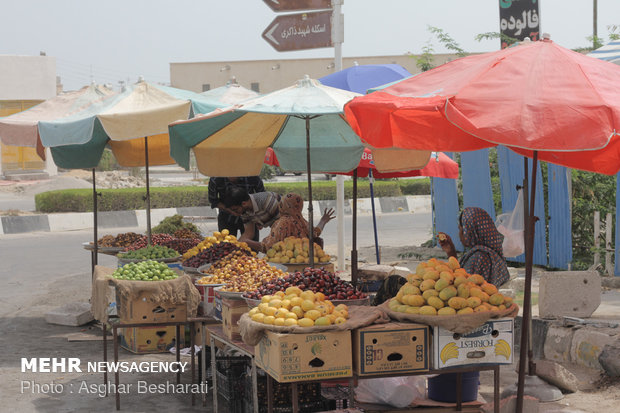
(120, 240)
(213, 254)
(317, 280)
(181, 245)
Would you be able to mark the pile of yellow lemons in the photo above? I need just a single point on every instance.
(296, 307)
(216, 238)
(443, 288)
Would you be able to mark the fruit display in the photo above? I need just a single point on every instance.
(149, 253)
(295, 251)
(240, 272)
(170, 225)
(317, 280)
(217, 238)
(214, 253)
(118, 241)
(443, 288)
(144, 271)
(181, 245)
(293, 307)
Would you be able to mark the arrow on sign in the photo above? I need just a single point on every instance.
(293, 5)
(300, 31)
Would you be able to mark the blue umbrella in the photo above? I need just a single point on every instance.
(361, 78)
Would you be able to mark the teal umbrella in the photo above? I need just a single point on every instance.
(303, 123)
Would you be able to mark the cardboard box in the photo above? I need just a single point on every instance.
(143, 340)
(391, 348)
(141, 310)
(305, 357)
(491, 343)
(207, 299)
(231, 313)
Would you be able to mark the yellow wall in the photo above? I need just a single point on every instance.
(19, 157)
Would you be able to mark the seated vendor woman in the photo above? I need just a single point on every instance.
(291, 223)
(483, 246)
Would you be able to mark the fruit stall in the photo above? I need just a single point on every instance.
(293, 328)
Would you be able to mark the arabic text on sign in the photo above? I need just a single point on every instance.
(529, 20)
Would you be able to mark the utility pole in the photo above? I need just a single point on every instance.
(594, 23)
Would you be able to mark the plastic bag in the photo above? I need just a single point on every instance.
(511, 226)
(394, 391)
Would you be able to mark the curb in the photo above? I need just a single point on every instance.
(125, 219)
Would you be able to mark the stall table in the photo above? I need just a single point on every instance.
(217, 335)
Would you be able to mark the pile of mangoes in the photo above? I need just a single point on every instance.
(296, 307)
(443, 288)
(294, 250)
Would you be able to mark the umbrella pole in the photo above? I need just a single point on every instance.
(374, 216)
(354, 232)
(310, 209)
(527, 295)
(95, 256)
(148, 191)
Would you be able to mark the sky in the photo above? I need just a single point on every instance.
(119, 40)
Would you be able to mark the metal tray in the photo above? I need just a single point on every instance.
(90, 247)
(165, 260)
(229, 294)
(190, 270)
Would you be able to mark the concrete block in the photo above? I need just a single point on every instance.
(393, 204)
(70, 222)
(588, 344)
(332, 204)
(201, 211)
(157, 215)
(364, 206)
(556, 374)
(117, 219)
(569, 293)
(610, 359)
(509, 405)
(72, 314)
(25, 223)
(419, 203)
(558, 343)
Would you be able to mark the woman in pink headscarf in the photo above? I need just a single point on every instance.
(291, 222)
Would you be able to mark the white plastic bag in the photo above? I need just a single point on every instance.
(511, 226)
(394, 391)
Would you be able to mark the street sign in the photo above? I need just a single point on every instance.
(300, 31)
(294, 5)
(519, 19)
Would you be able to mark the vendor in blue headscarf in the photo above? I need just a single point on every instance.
(483, 246)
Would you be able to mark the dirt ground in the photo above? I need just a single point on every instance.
(26, 334)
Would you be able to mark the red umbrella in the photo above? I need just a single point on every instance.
(539, 99)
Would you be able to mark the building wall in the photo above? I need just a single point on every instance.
(25, 81)
(270, 75)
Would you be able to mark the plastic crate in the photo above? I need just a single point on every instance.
(309, 395)
(335, 397)
(230, 372)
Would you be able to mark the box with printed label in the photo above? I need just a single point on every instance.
(303, 357)
(143, 340)
(490, 343)
(391, 348)
(231, 313)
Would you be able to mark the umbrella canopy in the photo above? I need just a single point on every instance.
(230, 94)
(21, 129)
(233, 141)
(360, 79)
(536, 96)
(123, 121)
(610, 52)
(439, 166)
